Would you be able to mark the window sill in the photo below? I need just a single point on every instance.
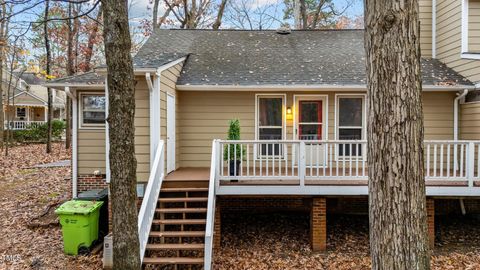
(472, 56)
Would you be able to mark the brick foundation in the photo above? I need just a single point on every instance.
(318, 224)
(431, 222)
(88, 182)
(217, 229)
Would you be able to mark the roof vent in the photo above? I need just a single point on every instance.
(284, 30)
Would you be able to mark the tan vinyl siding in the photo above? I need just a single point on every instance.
(204, 116)
(425, 15)
(168, 82)
(470, 121)
(91, 142)
(26, 99)
(474, 26)
(449, 39)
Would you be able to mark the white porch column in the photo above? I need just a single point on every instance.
(154, 89)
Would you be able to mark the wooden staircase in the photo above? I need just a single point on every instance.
(177, 236)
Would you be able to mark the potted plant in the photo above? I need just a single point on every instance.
(234, 152)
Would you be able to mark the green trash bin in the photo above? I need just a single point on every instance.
(79, 220)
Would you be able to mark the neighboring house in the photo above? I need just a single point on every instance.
(301, 101)
(28, 102)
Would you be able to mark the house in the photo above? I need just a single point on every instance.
(301, 101)
(27, 103)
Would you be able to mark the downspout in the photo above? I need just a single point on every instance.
(455, 114)
(74, 141)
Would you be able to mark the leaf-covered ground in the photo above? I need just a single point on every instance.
(25, 193)
(257, 242)
(281, 241)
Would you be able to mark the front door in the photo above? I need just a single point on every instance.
(310, 127)
(170, 133)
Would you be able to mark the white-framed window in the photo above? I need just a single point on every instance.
(21, 112)
(470, 29)
(270, 121)
(92, 110)
(350, 123)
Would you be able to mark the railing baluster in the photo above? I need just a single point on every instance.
(448, 160)
(428, 160)
(331, 159)
(318, 158)
(343, 158)
(356, 159)
(248, 160)
(325, 157)
(435, 160)
(461, 160)
(350, 162)
(441, 160)
(228, 159)
(478, 160)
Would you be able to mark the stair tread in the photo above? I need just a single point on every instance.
(172, 260)
(175, 246)
(184, 199)
(179, 221)
(181, 210)
(177, 233)
(184, 189)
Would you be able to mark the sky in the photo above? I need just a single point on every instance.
(139, 9)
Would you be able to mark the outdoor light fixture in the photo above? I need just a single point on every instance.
(289, 113)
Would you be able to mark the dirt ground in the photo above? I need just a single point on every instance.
(257, 242)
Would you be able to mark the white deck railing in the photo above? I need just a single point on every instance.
(300, 161)
(150, 198)
(211, 206)
(20, 125)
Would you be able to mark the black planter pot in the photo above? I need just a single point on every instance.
(234, 168)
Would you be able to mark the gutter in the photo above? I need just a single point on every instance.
(455, 113)
(319, 87)
(74, 141)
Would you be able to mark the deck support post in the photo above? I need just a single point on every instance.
(217, 229)
(431, 222)
(318, 224)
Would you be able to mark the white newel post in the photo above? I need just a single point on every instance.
(470, 163)
(301, 165)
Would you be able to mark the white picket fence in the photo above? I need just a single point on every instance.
(21, 125)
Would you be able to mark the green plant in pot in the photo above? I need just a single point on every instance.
(234, 153)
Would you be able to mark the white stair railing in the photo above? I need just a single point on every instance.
(211, 206)
(150, 198)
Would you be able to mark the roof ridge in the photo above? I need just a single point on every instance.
(256, 30)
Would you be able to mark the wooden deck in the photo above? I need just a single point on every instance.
(203, 173)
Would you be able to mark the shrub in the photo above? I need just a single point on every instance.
(38, 133)
(234, 134)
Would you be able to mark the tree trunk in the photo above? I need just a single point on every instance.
(155, 14)
(70, 72)
(397, 203)
(47, 70)
(218, 20)
(123, 164)
(3, 45)
(297, 14)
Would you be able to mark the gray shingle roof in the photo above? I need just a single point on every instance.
(88, 78)
(233, 57)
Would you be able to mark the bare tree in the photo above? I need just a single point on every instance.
(397, 203)
(221, 10)
(315, 14)
(251, 14)
(5, 11)
(48, 73)
(121, 113)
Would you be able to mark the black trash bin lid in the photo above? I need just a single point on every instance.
(94, 194)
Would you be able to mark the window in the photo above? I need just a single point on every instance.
(92, 110)
(270, 122)
(21, 112)
(350, 123)
(470, 29)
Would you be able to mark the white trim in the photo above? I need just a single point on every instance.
(456, 113)
(473, 56)
(73, 96)
(295, 112)
(171, 155)
(154, 99)
(364, 114)
(30, 94)
(434, 28)
(107, 135)
(284, 112)
(336, 190)
(80, 100)
(171, 64)
(16, 111)
(465, 9)
(305, 88)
